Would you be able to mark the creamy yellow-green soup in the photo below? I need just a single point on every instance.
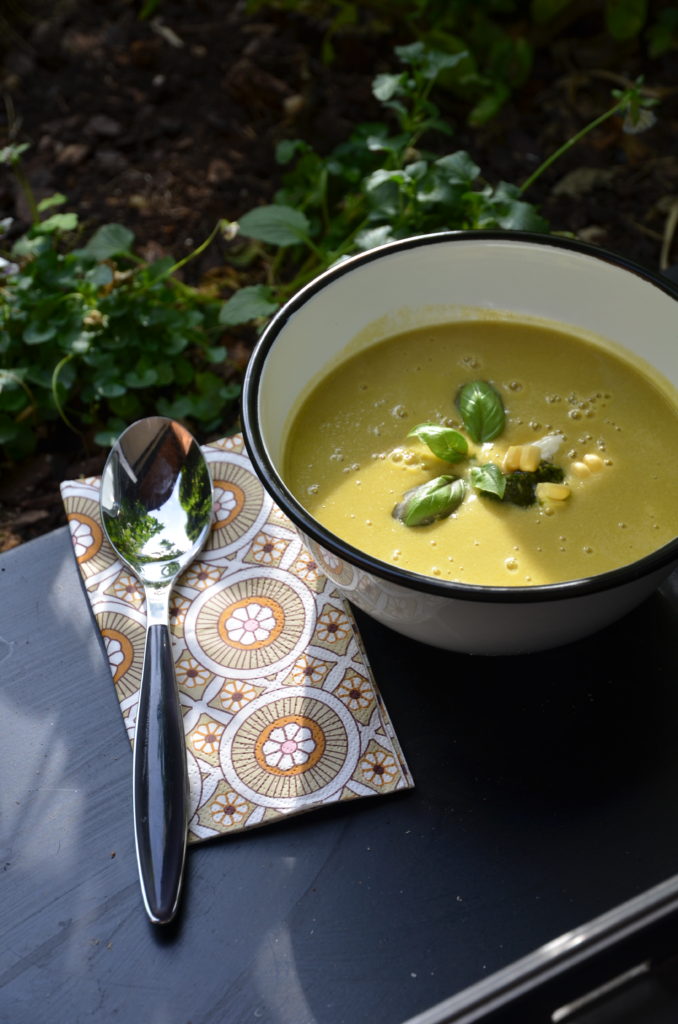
(349, 460)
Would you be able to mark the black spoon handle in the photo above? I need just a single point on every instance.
(160, 780)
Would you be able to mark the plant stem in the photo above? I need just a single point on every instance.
(55, 393)
(573, 141)
(196, 252)
(25, 186)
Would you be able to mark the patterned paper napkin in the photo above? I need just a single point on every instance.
(281, 712)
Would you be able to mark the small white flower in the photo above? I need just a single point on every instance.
(224, 503)
(251, 624)
(82, 537)
(114, 651)
(288, 746)
(637, 121)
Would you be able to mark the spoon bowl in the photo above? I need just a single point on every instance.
(156, 508)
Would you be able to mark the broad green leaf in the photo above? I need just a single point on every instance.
(38, 333)
(521, 216)
(385, 86)
(489, 479)
(445, 443)
(381, 177)
(215, 354)
(107, 438)
(28, 246)
(166, 372)
(12, 154)
(381, 142)
(372, 237)
(436, 499)
(159, 268)
(416, 170)
(508, 211)
(275, 224)
(129, 407)
(110, 240)
(287, 149)
(109, 388)
(56, 200)
(427, 61)
(141, 378)
(247, 304)
(435, 189)
(482, 410)
(458, 167)
(100, 275)
(436, 62)
(411, 53)
(625, 18)
(57, 222)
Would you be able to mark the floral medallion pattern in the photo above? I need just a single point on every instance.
(281, 713)
(124, 641)
(239, 502)
(235, 693)
(86, 535)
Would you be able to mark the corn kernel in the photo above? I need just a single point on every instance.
(580, 469)
(552, 492)
(530, 457)
(594, 462)
(512, 458)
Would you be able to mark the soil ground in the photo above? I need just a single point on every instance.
(168, 124)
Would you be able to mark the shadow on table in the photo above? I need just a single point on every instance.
(542, 784)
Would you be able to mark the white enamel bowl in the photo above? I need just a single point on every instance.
(435, 279)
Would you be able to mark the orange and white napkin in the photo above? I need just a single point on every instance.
(281, 712)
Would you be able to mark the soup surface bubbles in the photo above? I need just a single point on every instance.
(349, 460)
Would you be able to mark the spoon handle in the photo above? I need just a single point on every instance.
(160, 780)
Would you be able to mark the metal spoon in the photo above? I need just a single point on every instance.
(156, 507)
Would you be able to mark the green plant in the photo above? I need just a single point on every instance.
(491, 36)
(382, 184)
(94, 336)
(379, 185)
(497, 39)
(97, 337)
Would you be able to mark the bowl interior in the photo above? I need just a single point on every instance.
(438, 279)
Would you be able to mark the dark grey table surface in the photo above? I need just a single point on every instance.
(546, 793)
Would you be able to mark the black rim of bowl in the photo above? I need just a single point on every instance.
(309, 526)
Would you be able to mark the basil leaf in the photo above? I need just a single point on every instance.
(447, 444)
(489, 479)
(436, 499)
(482, 410)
